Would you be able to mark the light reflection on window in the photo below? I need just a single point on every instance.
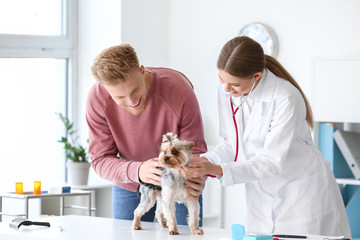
(31, 17)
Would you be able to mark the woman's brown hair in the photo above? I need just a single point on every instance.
(243, 57)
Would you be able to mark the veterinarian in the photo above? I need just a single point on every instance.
(266, 121)
(128, 110)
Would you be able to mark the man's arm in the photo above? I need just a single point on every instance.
(191, 129)
(103, 152)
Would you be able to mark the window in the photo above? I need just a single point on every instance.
(36, 58)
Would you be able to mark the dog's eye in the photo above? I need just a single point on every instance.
(174, 152)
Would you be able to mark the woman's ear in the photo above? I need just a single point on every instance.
(258, 75)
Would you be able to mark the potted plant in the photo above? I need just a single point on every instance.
(76, 155)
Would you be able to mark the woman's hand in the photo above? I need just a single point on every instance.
(197, 167)
(149, 172)
(194, 187)
(200, 166)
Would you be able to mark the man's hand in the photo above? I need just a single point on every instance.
(149, 173)
(194, 187)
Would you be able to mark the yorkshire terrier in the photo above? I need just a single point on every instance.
(174, 154)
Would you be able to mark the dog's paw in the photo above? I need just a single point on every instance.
(197, 231)
(163, 225)
(173, 232)
(137, 226)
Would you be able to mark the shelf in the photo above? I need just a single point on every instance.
(348, 181)
(348, 184)
(29, 195)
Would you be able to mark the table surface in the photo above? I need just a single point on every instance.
(84, 227)
(96, 228)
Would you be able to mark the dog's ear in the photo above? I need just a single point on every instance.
(169, 137)
(189, 145)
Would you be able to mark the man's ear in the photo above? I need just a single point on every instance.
(142, 69)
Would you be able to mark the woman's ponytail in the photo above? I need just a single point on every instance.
(275, 67)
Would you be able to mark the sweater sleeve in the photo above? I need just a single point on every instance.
(103, 152)
(191, 126)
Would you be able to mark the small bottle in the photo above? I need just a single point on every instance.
(19, 188)
(37, 187)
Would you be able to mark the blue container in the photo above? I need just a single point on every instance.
(238, 231)
(258, 237)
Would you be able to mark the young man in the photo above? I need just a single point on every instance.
(128, 110)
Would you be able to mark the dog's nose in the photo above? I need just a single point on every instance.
(166, 159)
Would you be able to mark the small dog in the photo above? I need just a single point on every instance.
(174, 153)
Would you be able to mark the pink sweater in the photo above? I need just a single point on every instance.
(119, 141)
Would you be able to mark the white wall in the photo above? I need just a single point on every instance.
(145, 25)
(188, 34)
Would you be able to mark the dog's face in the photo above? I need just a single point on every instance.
(174, 152)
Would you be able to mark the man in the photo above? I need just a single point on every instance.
(128, 110)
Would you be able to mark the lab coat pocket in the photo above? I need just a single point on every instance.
(308, 197)
(255, 141)
(256, 138)
(310, 208)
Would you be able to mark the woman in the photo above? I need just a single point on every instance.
(265, 120)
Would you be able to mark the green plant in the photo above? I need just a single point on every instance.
(74, 152)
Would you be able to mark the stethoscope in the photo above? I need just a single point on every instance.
(234, 111)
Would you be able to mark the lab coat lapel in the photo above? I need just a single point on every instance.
(254, 119)
(266, 90)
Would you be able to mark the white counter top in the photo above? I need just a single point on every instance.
(96, 228)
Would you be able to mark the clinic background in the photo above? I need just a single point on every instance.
(187, 35)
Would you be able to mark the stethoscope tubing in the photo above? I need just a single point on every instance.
(234, 119)
(237, 133)
(236, 128)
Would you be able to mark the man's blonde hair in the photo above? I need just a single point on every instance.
(113, 64)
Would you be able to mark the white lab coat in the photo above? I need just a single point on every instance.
(289, 186)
